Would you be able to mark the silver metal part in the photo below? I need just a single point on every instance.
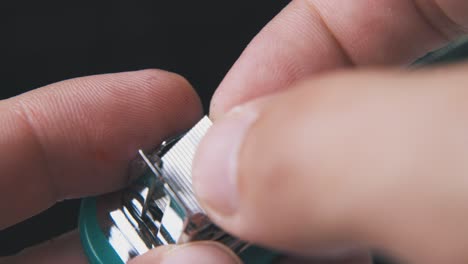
(161, 208)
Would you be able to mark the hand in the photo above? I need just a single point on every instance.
(314, 158)
(75, 138)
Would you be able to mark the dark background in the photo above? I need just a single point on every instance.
(48, 41)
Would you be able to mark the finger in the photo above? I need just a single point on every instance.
(67, 249)
(311, 36)
(76, 138)
(369, 158)
(64, 249)
(356, 258)
(196, 253)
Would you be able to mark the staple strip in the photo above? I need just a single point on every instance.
(177, 165)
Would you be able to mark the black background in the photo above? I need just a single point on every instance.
(48, 41)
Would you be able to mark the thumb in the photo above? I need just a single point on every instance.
(195, 253)
(362, 159)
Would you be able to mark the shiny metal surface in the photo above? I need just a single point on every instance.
(161, 208)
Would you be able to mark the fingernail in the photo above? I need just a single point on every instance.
(203, 252)
(215, 164)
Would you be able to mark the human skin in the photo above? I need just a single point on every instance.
(330, 132)
(298, 57)
(76, 138)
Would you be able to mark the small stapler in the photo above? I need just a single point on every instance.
(157, 209)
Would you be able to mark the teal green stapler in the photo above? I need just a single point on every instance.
(157, 209)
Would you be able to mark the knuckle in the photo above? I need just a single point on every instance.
(25, 113)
